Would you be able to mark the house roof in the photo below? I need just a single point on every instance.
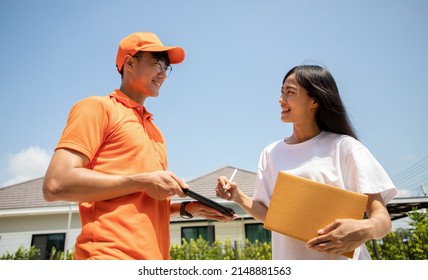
(206, 184)
(399, 206)
(29, 194)
(25, 195)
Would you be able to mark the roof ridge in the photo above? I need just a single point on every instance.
(212, 172)
(21, 183)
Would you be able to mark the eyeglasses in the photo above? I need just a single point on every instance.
(162, 68)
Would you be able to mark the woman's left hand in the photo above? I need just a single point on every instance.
(341, 236)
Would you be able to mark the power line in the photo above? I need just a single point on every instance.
(412, 181)
(417, 167)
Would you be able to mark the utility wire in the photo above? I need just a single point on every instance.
(414, 180)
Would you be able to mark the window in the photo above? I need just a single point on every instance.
(255, 232)
(206, 232)
(45, 243)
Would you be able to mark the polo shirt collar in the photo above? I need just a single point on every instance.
(121, 97)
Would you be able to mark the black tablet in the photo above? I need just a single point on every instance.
(211, 203)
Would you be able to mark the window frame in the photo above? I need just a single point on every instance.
(48, 244)
(210, 233)
(266, 234)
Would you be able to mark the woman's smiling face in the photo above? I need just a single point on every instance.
(295, 102)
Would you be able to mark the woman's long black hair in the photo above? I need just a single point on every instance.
(321, 86)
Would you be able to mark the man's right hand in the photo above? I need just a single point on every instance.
(161, 184)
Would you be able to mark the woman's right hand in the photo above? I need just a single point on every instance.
(226, 189)
(230, 191)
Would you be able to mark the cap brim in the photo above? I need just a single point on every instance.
(176, 54)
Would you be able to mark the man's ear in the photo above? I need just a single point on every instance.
(129, 60)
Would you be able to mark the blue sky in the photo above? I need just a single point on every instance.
(219, 107)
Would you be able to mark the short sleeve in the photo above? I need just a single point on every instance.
(262, 191)
(365, 174)
(86, 127)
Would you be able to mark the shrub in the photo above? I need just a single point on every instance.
(22, 254)
(404, 244)
(201, 250)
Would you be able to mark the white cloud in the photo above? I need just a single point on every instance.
(411, 157)
(404, 193)
(27, 164)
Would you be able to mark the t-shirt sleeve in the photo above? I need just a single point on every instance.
(86, 127)
(262, 191)
(365, 174)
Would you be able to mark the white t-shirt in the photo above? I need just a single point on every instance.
(329, 158)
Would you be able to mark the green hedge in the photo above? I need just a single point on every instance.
(201, 250)
(404, 244)
(33, 253)
(22, 254)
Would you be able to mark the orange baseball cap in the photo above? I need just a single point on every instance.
(146, 41)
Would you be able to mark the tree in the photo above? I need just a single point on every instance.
(405, 244)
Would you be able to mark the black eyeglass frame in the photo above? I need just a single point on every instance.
(160, 68)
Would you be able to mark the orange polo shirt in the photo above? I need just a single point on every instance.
(119, 137)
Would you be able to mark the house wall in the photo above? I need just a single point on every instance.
(231, 230)
(18, 231)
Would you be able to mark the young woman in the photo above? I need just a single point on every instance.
(323, 148)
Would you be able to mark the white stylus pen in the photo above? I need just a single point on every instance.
(233, 175)
(231, 178)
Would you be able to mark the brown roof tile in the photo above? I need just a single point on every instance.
(206, 184)
(29, 194)
(25, 195)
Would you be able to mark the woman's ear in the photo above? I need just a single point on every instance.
(315, 103)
